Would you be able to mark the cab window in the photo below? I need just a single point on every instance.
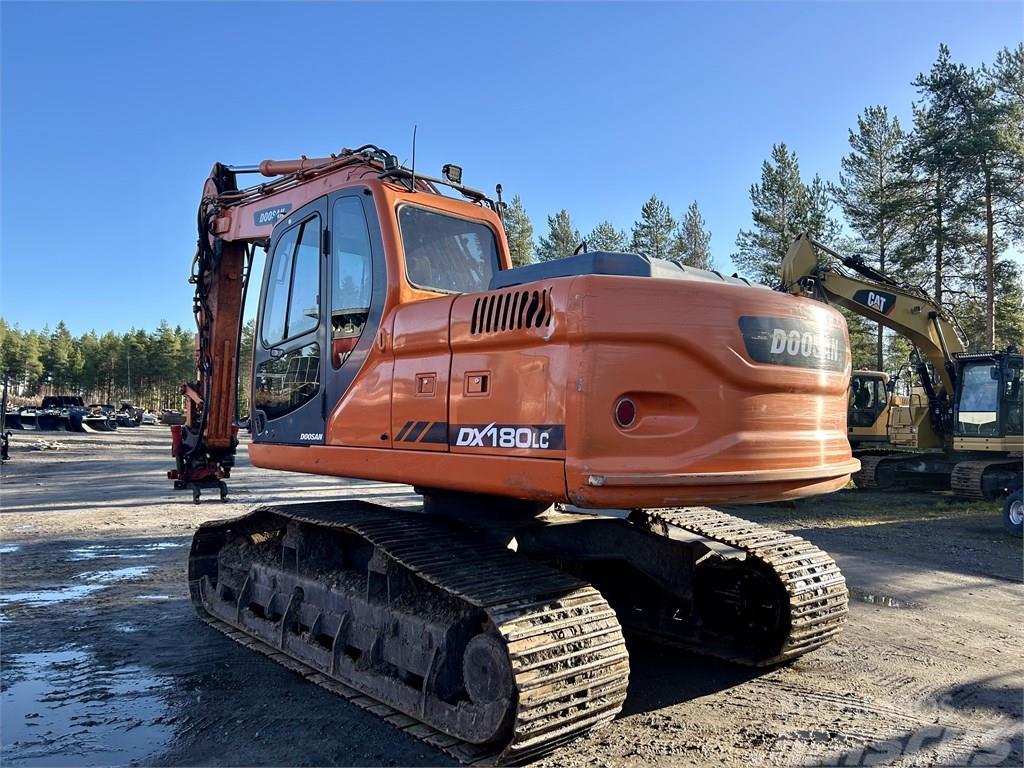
(352, 276)
(1013, 399)
(978, 412)
(292, 304)
(446, 253)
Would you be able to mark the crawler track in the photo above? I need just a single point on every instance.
(872, 470)
(375, 604)
(560, 639)
(968, 479)
(809, 588)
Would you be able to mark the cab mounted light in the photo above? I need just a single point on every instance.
(452, 172)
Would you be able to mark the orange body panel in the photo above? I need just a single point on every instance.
(419, 392)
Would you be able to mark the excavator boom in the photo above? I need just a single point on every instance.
(875, 297)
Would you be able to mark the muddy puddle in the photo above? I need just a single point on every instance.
(95, 581)
(128, 552)
(67, 708)
(118, 574)
(43, 597)
(884, 601)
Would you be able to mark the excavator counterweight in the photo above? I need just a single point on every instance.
(395, 341)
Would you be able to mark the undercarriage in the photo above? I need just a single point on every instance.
(968, 475)
(497, 638)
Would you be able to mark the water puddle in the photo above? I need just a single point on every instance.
(135, 552)
(44, 597)
(6, 549)
(118, 574)
(154, 597)
(884, 601)
(66, 708)
(98, 580)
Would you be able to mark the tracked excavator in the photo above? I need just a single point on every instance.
(565, 423)
(963, 427)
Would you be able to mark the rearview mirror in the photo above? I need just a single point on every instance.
(994, 372)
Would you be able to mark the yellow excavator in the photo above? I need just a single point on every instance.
(963, 427)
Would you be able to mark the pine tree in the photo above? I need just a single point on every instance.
(818, 221)
(692, 241)
(652, 234)
(873, 194)
(59, 358)
(519, 232)
(862, 340)
(34, 370)
(780, 214)
(562, 240)
(12, 352)
(1006, 76)
(245, 349)
(936, 153)
(1008, 318)
(605, 237)
(992, 118)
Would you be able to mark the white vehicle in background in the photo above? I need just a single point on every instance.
(149, 418)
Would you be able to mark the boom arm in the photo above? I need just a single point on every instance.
(871, 294)
(232, 221)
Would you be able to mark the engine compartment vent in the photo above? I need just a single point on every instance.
(511, 311)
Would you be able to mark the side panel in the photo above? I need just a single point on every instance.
(363, 414)
(419, 398)
(510, 365)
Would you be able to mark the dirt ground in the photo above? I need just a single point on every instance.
(103, 661)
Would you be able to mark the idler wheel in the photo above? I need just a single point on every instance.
(486, 670)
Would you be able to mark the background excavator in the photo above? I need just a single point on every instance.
(394, 341)
(964, 427)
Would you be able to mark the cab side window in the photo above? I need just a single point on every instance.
(293, 293)
(352, 277)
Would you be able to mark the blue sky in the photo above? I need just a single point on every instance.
(112, 114)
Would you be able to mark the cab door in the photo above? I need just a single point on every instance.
(292, 334)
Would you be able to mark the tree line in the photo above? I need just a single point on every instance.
(937, 206)
(656, 234)
(144, 367)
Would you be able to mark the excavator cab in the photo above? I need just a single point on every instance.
(868, 414)
(320, 304)
(988, 410)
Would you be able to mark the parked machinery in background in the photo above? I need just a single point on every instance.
(964, 428)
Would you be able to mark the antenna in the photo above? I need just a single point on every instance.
(412, 183)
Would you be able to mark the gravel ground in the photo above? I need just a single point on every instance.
(103, 661)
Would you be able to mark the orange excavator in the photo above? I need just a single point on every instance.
(565, 423)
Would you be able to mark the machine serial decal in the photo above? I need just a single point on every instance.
(794, 342)
(269, 216)
(545, 437)
(880, 301)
